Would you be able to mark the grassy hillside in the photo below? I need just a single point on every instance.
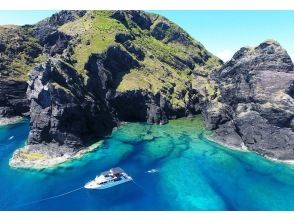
(171, 56)
(168, 63)
(20, 51)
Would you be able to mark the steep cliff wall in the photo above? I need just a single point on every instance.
(256, 105)
(99, 68)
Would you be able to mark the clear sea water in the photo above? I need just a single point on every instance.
(193, 174)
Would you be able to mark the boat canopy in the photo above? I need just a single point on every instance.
(114, 171)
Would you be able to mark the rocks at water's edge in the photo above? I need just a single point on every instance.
(13, 100)
(62, 111)
(255, 106)
(83, 81)
(80, 89)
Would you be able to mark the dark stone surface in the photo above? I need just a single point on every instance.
(132, 48)
(250, 98)
(256, 105)
(122, 37)
(106, 70)
(45, 27)
(159, 30)
(120, 16)
(16, 44)
(140, 18)
(61, 110)
(141, 106)
(56, 43)
(13, 100)
(265, 137)
(169, 32)
(17, 41)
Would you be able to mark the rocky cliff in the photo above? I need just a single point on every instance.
(255, 107)
(91, 70)
(19, 52)
(95, 69)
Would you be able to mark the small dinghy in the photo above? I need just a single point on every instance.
(152, 171)
(107, 179)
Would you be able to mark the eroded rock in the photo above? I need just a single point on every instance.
(255, 106)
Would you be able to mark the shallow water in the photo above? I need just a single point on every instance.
(193, 174)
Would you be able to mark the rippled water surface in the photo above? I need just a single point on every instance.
(193, 174)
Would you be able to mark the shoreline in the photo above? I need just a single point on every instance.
(245, 149)
(9, 121)
(288, 162)
(18, 160)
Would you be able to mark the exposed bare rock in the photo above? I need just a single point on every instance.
(256, 105)
(62, 111)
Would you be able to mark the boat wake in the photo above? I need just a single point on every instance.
(77, 189)
(48, 198)
(152, 171)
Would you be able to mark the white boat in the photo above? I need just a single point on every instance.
(107, 179)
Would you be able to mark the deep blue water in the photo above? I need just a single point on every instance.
(194, 174)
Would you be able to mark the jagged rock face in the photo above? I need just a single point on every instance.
(45, 27)
(140, 18)
(108, 72)
(105, 72)
(56, 43)
(13, 100)
(95, 63)
(255, 106)
(62, 112)
(110, 67)
(97, 68)
(142, 106)
(18, 53)
(21, 48)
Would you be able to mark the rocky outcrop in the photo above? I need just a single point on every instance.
(105, 73)
(56, 43)
(140, 18)
(13, 100)
(18, 53)
(80, 89)
(42, 29)
(255, 107)
(21, 48)
(141, 107)
(106, 70)
(98, 68)
(62, 111)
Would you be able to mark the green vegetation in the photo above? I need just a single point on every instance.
(167, 68)
(31, 156)
(189, 124)
(159, 72)
(22, 51)
(155, 77)
(96, 31)
(23, 66)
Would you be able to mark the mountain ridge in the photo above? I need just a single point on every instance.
(114, 66)
(96, 62)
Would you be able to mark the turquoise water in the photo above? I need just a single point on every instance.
(194, 174)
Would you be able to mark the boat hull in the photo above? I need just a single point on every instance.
(93, 185)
